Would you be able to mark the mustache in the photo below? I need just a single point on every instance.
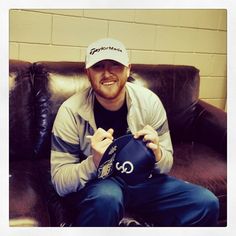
(105, 80)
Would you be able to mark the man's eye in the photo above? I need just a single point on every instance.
(116, 64)
(98, 66)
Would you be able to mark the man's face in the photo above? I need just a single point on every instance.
(108, 78)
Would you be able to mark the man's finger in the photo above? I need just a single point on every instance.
(152, 146)
(101, 134)
(105, 143)
(141, 133)
(110, 131)
(150, 137)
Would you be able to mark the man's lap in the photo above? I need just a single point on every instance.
(161, 199)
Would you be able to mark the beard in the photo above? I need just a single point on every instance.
(109, 91)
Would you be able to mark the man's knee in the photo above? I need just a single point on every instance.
(207, 206)
(211, 203)
(107, 197)
(101, 205)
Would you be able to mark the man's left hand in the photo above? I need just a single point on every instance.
(150, 136)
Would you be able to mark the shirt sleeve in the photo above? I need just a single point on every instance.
(68, 173)
(158, 120)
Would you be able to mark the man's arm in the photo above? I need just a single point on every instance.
(160, 145)
(67, 172)
(156, 134)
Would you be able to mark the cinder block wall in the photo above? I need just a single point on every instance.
(192, 37)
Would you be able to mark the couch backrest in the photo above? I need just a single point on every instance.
(37, 91)
(177, 86)
(21, 110)
(54, 82)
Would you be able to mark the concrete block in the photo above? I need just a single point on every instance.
(220, 103)
(175, 39)
(158, 17)
(66, 12)
(211, 41)
(111, 14)
(201, 61)
(33, 52)
(74, 31)
(223, 20)
(200, 18)
(219, 65)
(151, 57)
(213, 87)
(134, 36)
(30, 27)
(14, 51)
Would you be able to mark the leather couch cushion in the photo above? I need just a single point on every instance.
(200, 164)
(21, 111)
(27, 202)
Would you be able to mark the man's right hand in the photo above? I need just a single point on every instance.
(99, 143)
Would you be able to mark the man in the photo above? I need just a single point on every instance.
(89, 121)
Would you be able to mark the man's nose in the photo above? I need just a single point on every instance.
(107, 72)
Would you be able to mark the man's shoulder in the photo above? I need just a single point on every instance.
(139, 89)
(76, 100)
(143, 96)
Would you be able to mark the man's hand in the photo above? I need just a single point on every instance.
(99, 143)
(151, 137)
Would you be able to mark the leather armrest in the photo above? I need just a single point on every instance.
(210, 126)
(26, 203)
(59, 214)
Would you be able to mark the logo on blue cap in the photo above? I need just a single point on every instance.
(127, 167)
(106, 169)
(127, 158)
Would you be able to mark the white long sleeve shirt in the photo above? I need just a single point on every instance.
(72, 164)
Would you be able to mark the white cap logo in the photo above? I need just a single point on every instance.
(106, 49)
(127, 167)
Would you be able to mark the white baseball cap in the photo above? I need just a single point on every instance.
(106, 49)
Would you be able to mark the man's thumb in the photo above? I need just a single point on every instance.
(111, 131)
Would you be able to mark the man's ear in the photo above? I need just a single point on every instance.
(86, 71)
(128, 70)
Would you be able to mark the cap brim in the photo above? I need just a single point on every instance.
(107, 57)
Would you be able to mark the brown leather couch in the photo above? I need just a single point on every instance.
(198, 131)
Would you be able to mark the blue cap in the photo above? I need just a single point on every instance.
(127, 158)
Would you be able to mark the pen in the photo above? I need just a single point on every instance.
(89, 137)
